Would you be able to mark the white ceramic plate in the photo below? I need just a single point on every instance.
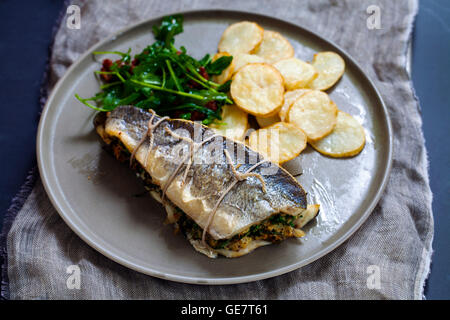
(94, 193)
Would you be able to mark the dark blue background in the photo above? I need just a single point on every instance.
(25, 35)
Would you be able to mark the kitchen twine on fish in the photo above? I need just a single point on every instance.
(193, 148)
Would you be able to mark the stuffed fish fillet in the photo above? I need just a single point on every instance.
(226, 198)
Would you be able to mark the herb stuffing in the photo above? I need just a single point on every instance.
(163, 78)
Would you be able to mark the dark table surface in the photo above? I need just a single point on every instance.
(26, 32)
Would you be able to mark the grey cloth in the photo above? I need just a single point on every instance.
(396, 237)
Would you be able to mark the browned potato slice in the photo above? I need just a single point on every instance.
(280, 142)
(330, 66)
(227, 73)
(241, 37)
(265, 122)
(296, 73)
(274, 47)
(234, 123)
(242, 59)
(314, 113)
(289, 98)
(346, 140)
(311, 211)
(258, 89)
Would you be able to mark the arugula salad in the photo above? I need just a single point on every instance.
(163, 78)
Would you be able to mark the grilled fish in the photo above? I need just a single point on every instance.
(221, 194)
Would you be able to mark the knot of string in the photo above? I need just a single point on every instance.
(151, 127)
(193, 148)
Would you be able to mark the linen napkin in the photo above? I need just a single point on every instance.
(394, 244)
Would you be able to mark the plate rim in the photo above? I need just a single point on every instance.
(198, 280)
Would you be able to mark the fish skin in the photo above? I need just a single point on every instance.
(246, 203)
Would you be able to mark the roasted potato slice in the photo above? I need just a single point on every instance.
(314, 113)
(330, 67)
(311, 211)
(346, 140)
(280, 142)
(265, 122)
(234, 123)
(274, 47)
(241, 37)
(258, 89)
(242, 59)
(227, 73)
(296, 73)
(289, 98)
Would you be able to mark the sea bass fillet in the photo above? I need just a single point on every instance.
(222, 185)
